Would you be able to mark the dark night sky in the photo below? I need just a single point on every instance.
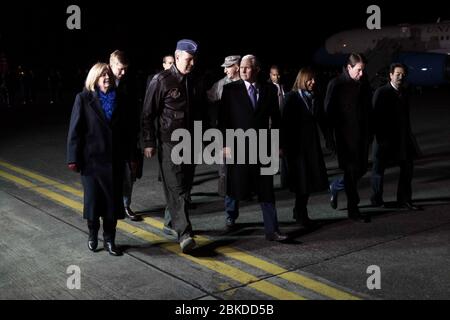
(286, 33)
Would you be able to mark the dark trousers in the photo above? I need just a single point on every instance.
(300, 208)
(177, 182)
(283, 172)
(128, 180)
(109, 228)
(351, 178)
(168, 218)
(404, 190)
(231, 205)
(222, 182)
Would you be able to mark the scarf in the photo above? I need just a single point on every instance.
(307, 98)
(108, 102)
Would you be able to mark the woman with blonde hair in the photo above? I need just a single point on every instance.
(98, 145)
(300, 142)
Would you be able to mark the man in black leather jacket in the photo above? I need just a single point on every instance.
(169, 105)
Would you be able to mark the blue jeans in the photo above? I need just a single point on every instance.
(270, 217)
(337, 185)
(268, 210)
(231, 208)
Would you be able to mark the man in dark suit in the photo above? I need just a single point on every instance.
(395, 143)
(119, 66)
(248, 104)
(275, 78)
(348, 107)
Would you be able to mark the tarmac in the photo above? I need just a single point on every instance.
(43, 233)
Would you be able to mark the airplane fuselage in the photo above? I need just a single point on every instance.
(419, 38)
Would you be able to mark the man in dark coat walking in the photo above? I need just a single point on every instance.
(395, 144)
(275, 78)
(348, 106)
(248, 104)
(118, 63)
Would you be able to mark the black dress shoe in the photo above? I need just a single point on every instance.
(111, 248)
(367, 218)
(376, 202)
(333, 199)
(303, 219)
(93, 240)
(306, 222)
(92, 244)
(230, 223)
(354, 214)
(410, 206)
(276, 236)
(131, 215)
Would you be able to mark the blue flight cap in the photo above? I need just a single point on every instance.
(187, 45)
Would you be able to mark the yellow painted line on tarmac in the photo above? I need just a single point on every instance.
(43, 191)
(268, 267)
(212, 264)
(218, 266)
(42, 179)
(231, 252)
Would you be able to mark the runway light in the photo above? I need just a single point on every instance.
(424, 69)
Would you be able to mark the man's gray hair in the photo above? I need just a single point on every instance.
(253, 60)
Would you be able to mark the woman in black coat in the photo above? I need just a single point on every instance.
(300, 142)
(98, 144)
